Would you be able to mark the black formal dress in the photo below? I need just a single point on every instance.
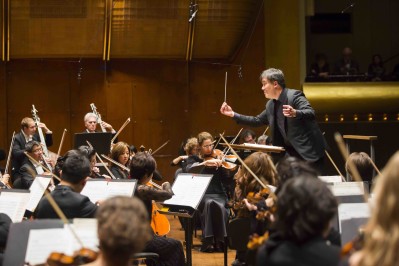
(72, 204)
(119, 173)
(300, 135)
(18, 150)
(170, 250)
(314, 252)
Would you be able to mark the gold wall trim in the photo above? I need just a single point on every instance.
(353, 97)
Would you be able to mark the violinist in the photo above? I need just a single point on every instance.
(75, 171)
(142, 167)
(90, 154)
(29, 168)
(28, 133)
(90, 120)
(123, 230)
(380, 238)
(120, 153)
(305, 208)
(213, 213)
(190, 149)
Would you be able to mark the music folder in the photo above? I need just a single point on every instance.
(102, 189)
(188, 189)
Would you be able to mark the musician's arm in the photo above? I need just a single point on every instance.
(255, 121)
(18, 150)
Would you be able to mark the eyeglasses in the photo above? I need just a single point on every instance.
(37, 150)
(208, 146)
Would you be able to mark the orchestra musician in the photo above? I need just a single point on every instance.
(117, 245)
(213, 213)
(291, 119)
(75, 170)
(28, 133)
(120, 153)
(190, 149)
(5, 222)
(30, 169)
(90, 154)
(90, 121)
(142, 167)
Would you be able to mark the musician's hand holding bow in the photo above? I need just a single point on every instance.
(213, 163)
(225, 109)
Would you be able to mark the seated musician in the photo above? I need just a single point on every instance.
(380, 241)
(170, 251)
(75, 171)
(90, 120)
(120, 153)
(123, 230)
(305, 208)
(190, 149)
(28, 133)
(5, 222)
(30, 169)
(214, 215)
(262, 166)
(90, 154)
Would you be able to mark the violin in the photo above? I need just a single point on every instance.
(80, 257)
(218, 154)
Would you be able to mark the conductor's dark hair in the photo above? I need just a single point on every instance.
(143, 164)
(75, 168)
(305, 208)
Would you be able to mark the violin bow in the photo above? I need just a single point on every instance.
(116, 163)
(160, 147)
(244, 164)
(61, 142)
(335, 166)
(226, 150)
(264, 132)
(120, 130)
(9, 153)
(351, 165)
(99, 158)
(217, 143)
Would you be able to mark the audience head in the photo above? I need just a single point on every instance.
(142, 167)
(363, 164)
(305, 208)
(191, 146)
(28, 126)
(248, 136)
(292, 167)
(123, 228)
(120, 152)
(90, 120)
(347, 53)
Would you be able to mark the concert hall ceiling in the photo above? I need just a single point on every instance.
(168, 29)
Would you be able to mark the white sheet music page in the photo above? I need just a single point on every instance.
(37, 190)
(86, 229)
(189, 189)
(42, 242)
(95, 190)
(123, 188)
(331, 178)
(14, 204)
(347, 188)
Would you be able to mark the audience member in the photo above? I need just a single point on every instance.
(346, 65)
(376, 70)
(320, 69)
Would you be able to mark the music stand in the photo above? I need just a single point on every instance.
(101, 141)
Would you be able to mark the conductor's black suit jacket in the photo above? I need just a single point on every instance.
(302, 131)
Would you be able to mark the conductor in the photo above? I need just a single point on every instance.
(291, 119)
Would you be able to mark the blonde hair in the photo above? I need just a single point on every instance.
(192, 143)
(382, 230)
(204, 136)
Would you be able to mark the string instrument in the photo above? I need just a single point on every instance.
(46, 152)
(8, 184)
(352, 246)
(218, 154)
(99, 121)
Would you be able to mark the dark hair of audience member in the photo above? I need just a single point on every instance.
(290, 167)
(123, 229)
(305, 208)
(75, 168)
(142, 164)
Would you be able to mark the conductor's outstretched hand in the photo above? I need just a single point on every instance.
(225, 109)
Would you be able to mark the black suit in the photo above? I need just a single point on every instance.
(72, 204)
(26, 174)
(300, 135)
(18, 149)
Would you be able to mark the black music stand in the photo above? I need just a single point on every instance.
(17, 241)
(188, 189)
(101, 141)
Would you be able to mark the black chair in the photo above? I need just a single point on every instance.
(136, 258)
(238, 231)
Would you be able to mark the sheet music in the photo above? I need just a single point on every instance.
(347, 188)
(86, 229)
(42, 242)
(40, 183)
(347, 211)
(13, 203)
(189, 189)
(102, 189)
(331, 178)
